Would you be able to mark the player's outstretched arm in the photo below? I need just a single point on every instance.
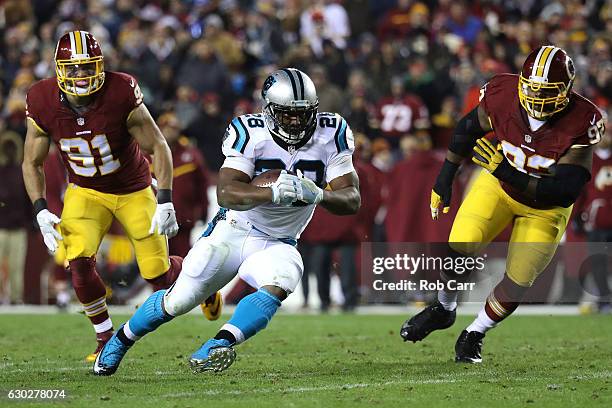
(35, 152)
(235, 192)
(344, 197)
(36, 149)
(150, 139)
(472, 126)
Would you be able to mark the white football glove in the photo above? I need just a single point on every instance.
(284, 189)
(46, 222)
(164, 220)
(308, 191)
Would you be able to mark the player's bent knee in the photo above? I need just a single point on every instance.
(183, 297)
(525, 279)
(205, 258)
(179, 305)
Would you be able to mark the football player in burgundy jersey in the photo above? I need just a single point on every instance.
(97, 120)
(535, 169)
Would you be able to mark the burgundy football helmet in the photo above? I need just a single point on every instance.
(546, 81)
(79, 64)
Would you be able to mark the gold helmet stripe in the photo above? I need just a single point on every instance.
(79, 42)
(541, 63)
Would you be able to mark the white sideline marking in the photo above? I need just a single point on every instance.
(297, 390)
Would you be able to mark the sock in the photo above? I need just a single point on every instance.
(448, 299)
(166, 280)
(482, 323)
(147, 318)
(91, 292)
(505, 299)
(252, 314)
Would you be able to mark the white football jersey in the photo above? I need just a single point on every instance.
(249, 147)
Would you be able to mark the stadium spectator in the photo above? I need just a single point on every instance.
(596, 215)
(189, 185)
(14, 218)
(331, 97)
(399, 113)
(404, 201)
(324, 20)
(207, 130)
(201, 58)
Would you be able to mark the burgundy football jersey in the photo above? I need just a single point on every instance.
(97, 149)
(534, 152)
(400, 116)
(598, 194)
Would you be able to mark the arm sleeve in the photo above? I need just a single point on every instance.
(340, 160)
(561, 190)
(466, 132)
(239, 153)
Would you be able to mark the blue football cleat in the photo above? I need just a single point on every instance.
(214, 355)
(108, 359)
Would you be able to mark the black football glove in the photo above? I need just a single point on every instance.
(442, 190)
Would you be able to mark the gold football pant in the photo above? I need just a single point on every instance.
(88, 214)
(487, 210)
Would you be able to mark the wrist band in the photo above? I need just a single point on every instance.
(39, 205)
(164, 195)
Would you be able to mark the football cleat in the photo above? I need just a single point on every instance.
(469, 347)
(433, 317)
(102, 339)
(108, 359)
(214, 355)
(212, 306)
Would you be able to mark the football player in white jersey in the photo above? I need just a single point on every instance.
(255, 232)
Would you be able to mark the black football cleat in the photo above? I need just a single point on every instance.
(433, 317)
(469, 347)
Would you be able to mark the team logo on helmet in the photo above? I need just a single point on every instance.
(267, 84)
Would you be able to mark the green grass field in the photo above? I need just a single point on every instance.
(325, 361)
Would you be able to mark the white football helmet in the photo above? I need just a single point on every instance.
(290, 105)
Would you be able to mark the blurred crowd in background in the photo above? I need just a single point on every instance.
(402, 72)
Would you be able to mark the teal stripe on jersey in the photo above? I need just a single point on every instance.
(243, 135)
(340, 137)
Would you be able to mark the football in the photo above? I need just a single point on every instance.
(267, 178)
